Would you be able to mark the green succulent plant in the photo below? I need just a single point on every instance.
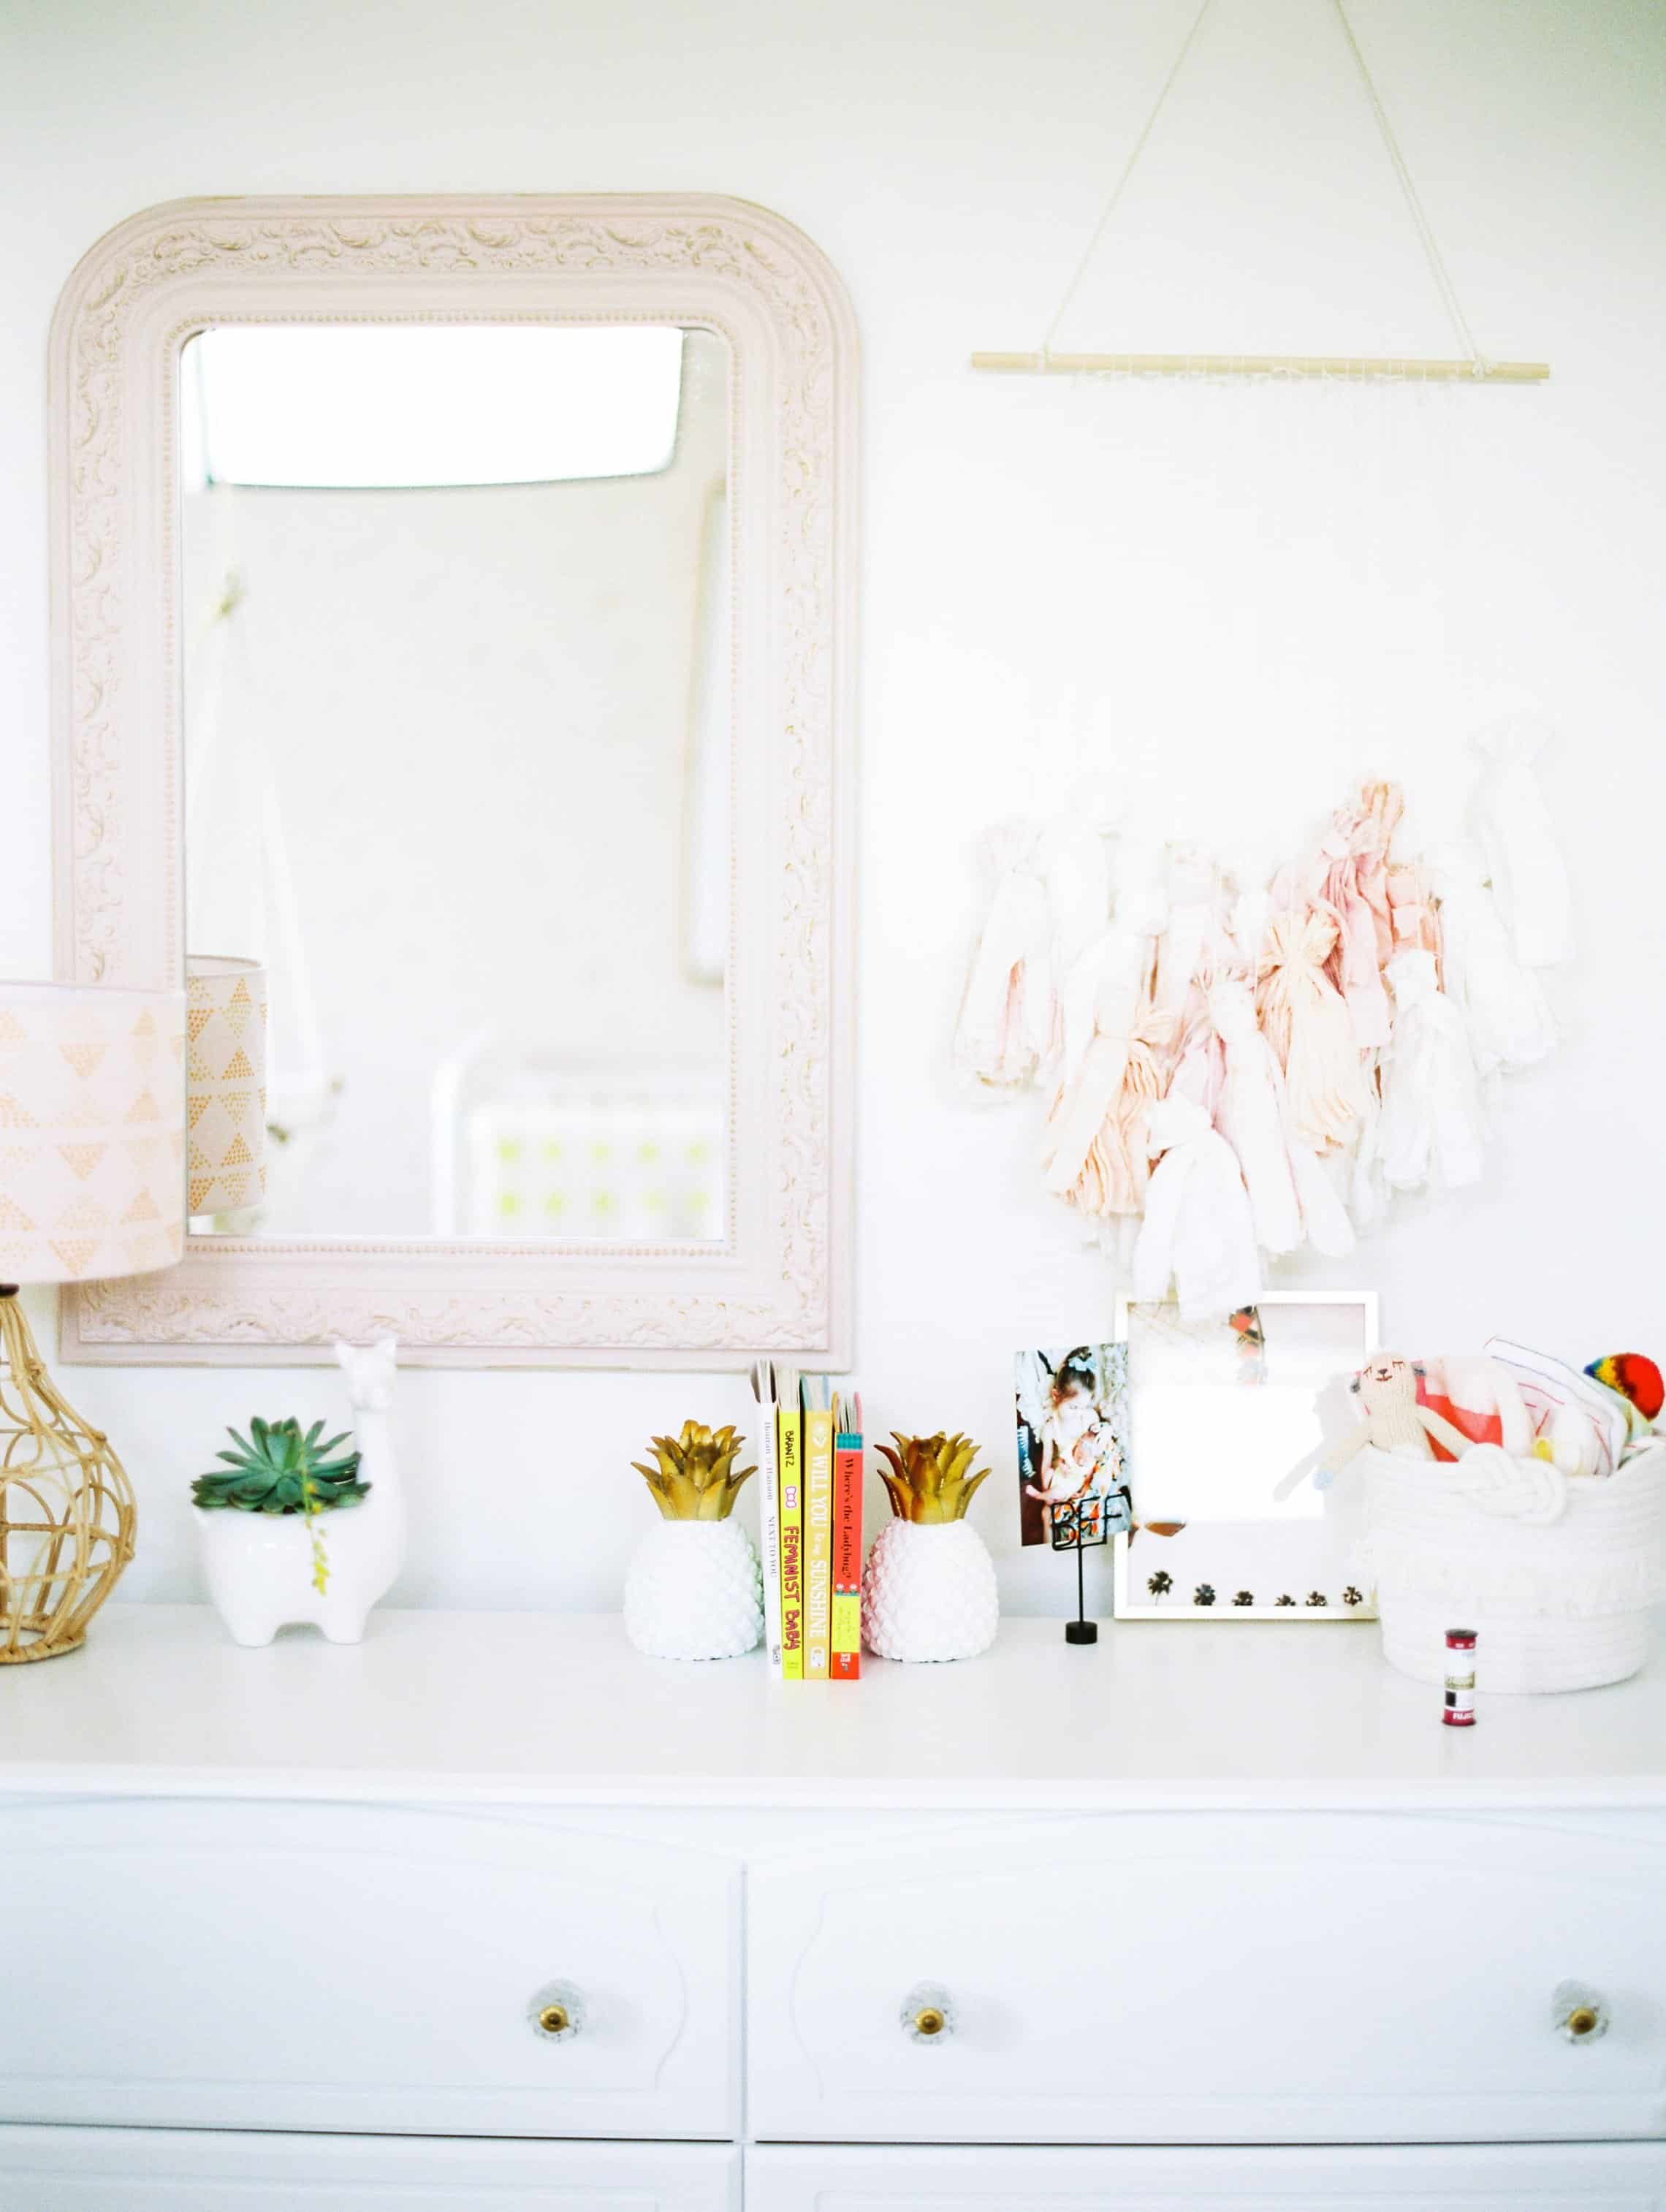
(276, 1469)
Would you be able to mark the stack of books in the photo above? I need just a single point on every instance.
(810, 1514)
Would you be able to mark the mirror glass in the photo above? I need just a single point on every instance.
(455, 612)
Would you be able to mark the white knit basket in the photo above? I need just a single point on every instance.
(1564, 1606)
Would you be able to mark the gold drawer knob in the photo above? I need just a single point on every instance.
(556, 2012)
(1580, 2014)
(927, 2016)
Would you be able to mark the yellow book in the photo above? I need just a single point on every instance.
(789, 1441)
(817, 1529)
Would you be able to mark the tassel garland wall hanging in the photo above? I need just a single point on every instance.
(1232, 1074)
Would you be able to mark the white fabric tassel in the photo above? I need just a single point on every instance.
(1432, 1127)
(1008, 1012)
(1325, 1221)
(1093, 1074)
(1193, 919)
(1367, 1195)
(1251, 1118)
(1292, 1198)
(1199, 1232)
(1073, 860)
(1528, 875)
(1075, 864)
(1503, 1001)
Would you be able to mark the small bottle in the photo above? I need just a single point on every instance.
(1460, 1678)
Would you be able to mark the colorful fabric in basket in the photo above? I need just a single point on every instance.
(1481, 1398)
(1582, 1426)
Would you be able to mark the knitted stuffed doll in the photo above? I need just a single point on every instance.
(1532, 1490)
(1393, 1422)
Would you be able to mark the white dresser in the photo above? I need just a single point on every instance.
(491, 1911)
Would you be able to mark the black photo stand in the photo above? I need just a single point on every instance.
(1078, 1527)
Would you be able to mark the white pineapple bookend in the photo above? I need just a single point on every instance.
(695, 1589)
(929, 1590)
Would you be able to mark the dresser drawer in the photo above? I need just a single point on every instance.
(1570, 2177)
(1218, 1978)
(156, 2170)
(320, 1966)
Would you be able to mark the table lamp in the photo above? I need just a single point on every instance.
(92, 1185)
(225, 1089)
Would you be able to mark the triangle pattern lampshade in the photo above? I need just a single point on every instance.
(92, 1131)
(92, 1185)
(226, 1085)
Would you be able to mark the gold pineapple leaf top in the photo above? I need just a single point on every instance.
(695, 1478)
(928, 1481)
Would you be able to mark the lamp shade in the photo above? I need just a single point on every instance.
(92, 1131)
(225, 1085)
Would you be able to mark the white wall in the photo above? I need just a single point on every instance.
(949, 156)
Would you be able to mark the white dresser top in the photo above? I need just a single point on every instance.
(558, 1709)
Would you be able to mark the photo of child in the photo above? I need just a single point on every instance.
(1072, 1436)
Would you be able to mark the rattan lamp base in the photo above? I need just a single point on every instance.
(66, 1506)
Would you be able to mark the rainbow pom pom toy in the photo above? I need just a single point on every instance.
(1633, 1376)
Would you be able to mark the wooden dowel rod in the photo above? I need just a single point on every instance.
(1237, 364)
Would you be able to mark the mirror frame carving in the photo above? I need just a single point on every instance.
(780, 1279)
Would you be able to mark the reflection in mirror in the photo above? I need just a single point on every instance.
(455, 613)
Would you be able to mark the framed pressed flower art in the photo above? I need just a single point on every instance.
(1218, 1411)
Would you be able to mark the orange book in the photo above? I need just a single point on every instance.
(846, 1665)
(818, 1452)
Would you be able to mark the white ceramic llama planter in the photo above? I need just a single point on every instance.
(259, 1565)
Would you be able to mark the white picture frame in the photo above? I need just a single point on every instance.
(1198, 1440)
(778, 1279)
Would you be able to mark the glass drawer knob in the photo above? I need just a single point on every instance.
(927, 2015)
(556, 2012)
(1579, 2013)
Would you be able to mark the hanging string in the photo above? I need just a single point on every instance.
(1420, 222)
(1437, 270)
(1120, 185)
